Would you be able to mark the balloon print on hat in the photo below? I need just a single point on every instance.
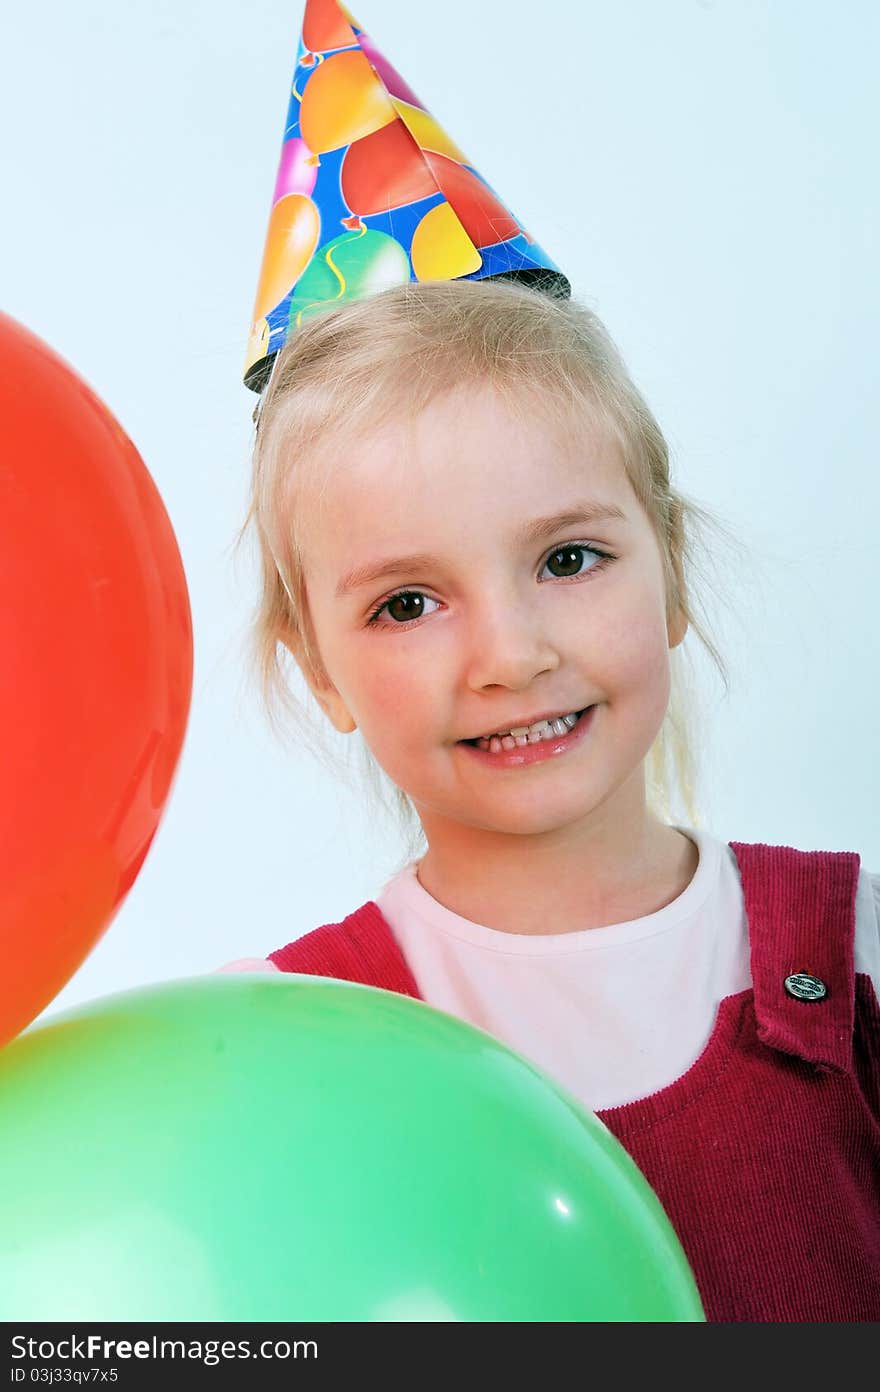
(385, 170)
(326, 26)
(377, 155)
(351, 266)
(441, 248)
(343, 100)
(297, 170)
(294, 228)
(483, 215)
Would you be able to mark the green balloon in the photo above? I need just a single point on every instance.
(353, 266)
(296, 1148)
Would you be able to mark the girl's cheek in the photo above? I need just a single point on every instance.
(389, 662)
(391, 694)
(631, 646)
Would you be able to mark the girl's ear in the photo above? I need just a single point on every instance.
(677, 627)
(332, 705)
(319, 683)
(677, 622)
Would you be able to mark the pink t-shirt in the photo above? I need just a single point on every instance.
(612, 1013)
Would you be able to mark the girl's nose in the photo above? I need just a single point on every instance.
(509, 647)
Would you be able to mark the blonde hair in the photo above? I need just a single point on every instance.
(350, 368)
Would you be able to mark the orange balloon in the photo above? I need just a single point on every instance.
(343, 101)
(324, 26)
(294, 228)
(96, 670)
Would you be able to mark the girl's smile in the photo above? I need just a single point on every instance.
(545, 739)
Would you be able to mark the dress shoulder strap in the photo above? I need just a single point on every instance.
(361, 948)
(800, 907)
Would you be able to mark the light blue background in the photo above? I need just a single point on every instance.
(704, 172)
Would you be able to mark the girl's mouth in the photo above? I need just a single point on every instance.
(549, 746)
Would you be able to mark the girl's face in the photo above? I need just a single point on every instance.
(471, 578)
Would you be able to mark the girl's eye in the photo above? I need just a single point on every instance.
(570, 559)
(407, 606)
(403, 607)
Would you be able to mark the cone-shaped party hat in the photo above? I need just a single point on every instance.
(371, 192)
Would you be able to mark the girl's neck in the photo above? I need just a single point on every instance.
(539, 886)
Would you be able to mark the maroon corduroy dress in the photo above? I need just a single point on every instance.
(766, 1153)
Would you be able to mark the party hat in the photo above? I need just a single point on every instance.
(371, 192)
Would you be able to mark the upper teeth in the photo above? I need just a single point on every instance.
(559, 725)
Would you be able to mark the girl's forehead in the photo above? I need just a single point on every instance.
(482, 415)
(461, 444)
(436, 482)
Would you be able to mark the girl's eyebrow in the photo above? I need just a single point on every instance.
(536, 530)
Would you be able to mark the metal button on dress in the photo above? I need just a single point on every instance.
(805, 987)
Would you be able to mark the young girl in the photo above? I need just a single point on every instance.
(471, 547)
